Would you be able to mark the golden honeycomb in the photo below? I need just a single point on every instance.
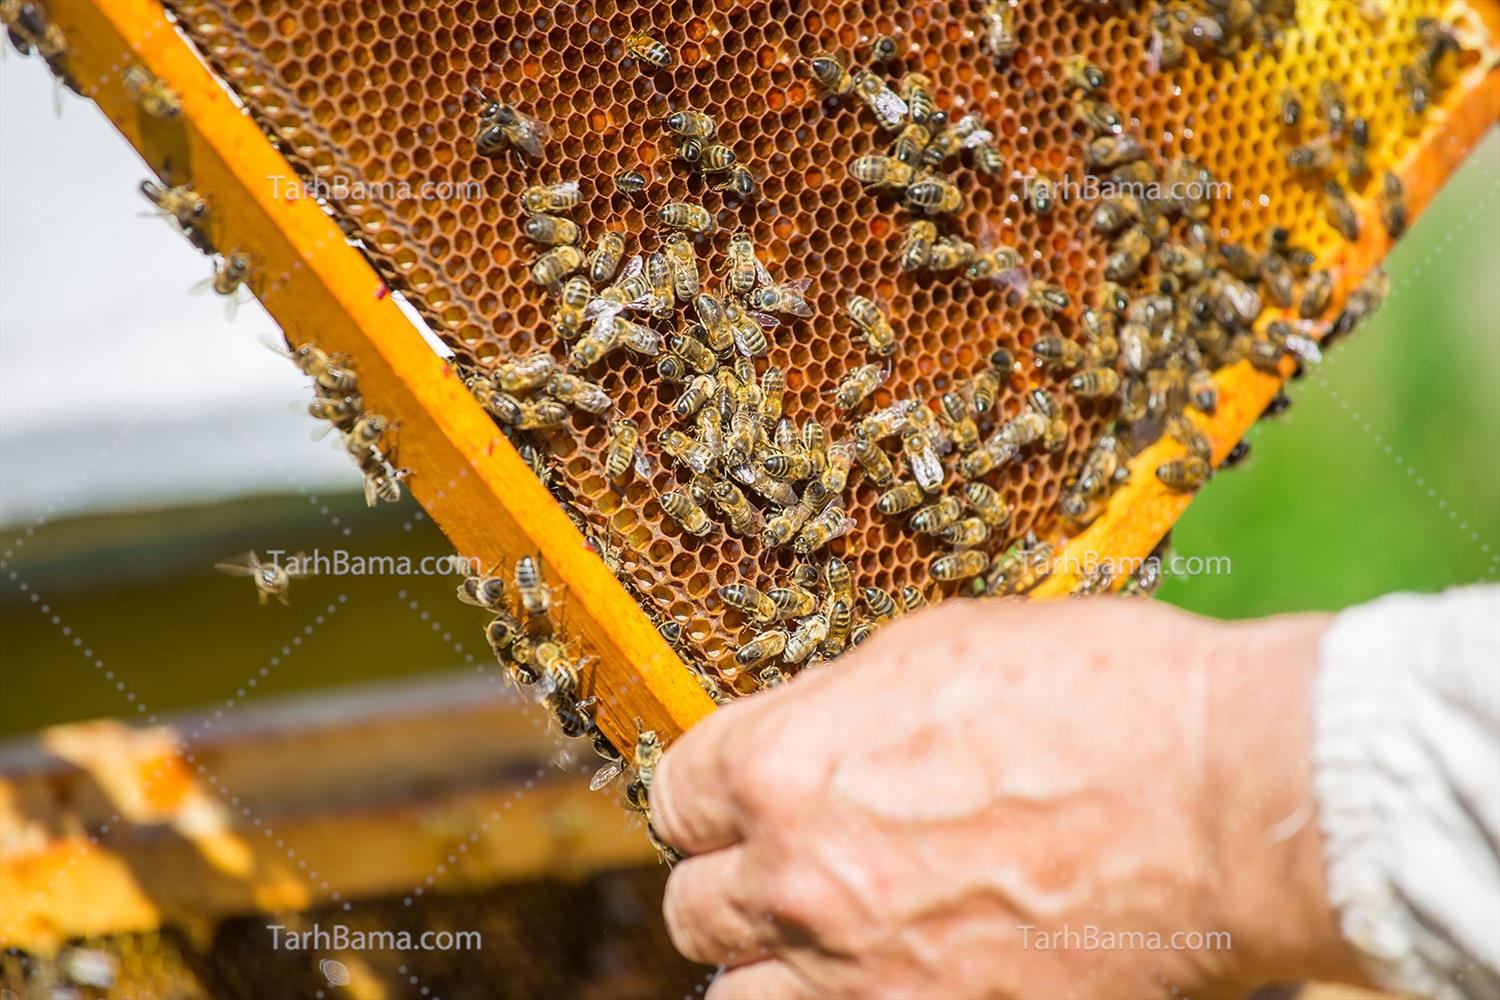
(376, 93)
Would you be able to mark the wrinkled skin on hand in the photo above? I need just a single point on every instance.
(928, 816)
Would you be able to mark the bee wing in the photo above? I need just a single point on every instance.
(762, 276)
(766, 320)
(605, 775)
(643, 465)
(567, 188)
(977, 138)
(1303, 347)
(742, 342)
(888, 106)
(245, 564)
(273, 343)
(798, 286)
(541, 129)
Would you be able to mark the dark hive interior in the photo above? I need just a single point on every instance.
(377, 93)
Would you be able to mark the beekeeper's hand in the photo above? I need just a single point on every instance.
(1082, 798)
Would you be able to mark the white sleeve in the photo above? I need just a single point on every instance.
(1406, 722)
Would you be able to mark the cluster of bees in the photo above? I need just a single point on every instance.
(526, 642)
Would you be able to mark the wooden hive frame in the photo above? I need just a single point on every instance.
(466, 474)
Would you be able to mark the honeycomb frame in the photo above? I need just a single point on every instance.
(798, 229)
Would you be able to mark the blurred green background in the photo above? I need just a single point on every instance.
(1385, 473)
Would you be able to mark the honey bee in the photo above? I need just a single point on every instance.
(649, 50)
(1021, 568)
(154, 97)
(1165, 49)
(886, 422)
(787, 465)
(880, 603)
(683, 264)
(340, 411)
(555, 265)
(916, 247)
(716, 328)
(783, 527)
(949, 253)
(686, 216)
(1363, 301)
(1095, 383)
(1333, 106)
(1083, 76)
(1340, 213)
(859, 385)
(639, 339)
(1356, 154)
(738, 180)
(965, 533)
(1289, 109)
(749, 601)
(271, 579)
(935, 196)
(623, 451)
(936, 516)
(698, 357)
(1101, 117)
(761, 648)
(1048, 298)
(182, 204)
(987, 159)
(1128, 254)
(771, 676)
(541, 414)
(809, 634)
(785, 298)
(958, 565)
(890, 110)
(1110, 151)
(502, 128)
(713, 158)
(568, 319)
(578, 393)
(662, 298)
(876, 466)
(1314, 156)
(1182, 262)
(1184, 474)
(530, 371)
(683, 509)
(830, 73)
(551, 230)
(540, 199)
(873, 324)
(884, 49)
(743, 518)
(961, 426)
(1418, 87)
(1041, 194)
(829, 524)
(230, 275)
(985, 501)
(1393, 204)
(688, 124)
(1203, 392)
(630, 182)
(685, 451)
(793, 601)
(999, 21)
(899, 498)
(745, 269)
(922, 458)
(875, 170)
(838, 579)
(745, 329)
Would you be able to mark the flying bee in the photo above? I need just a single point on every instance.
(1393, 204)
(749, 601)
(1184, 474)
(1101, 117)
(935, 196)
(686, 511)
(999, 20)
(859, 385)
(830, 73)
(650, 51)
(916, 246)
(689, 124)
(1095, 383)
(761, 648)
(155, 98)
(271, 579)
(1334, 108)
(686, 216)
(890, 110)
(899, 498)
(809, 634)
(829, 524)
(785, 298)
(875, 170)
(1339, 212)
(502, 128)
(1041, 194)
(623, 451)
(936, 516)
(551, 230)
(182, 204)
(873, 461)
(958, 565)
(872, 322)
(630, 182)
(1110, 151)
(555, 265)
(540, 199)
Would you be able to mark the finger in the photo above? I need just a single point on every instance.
(690, 804)
(704, 918)
(769, 980)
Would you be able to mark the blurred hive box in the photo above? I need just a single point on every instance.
(370, 107)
